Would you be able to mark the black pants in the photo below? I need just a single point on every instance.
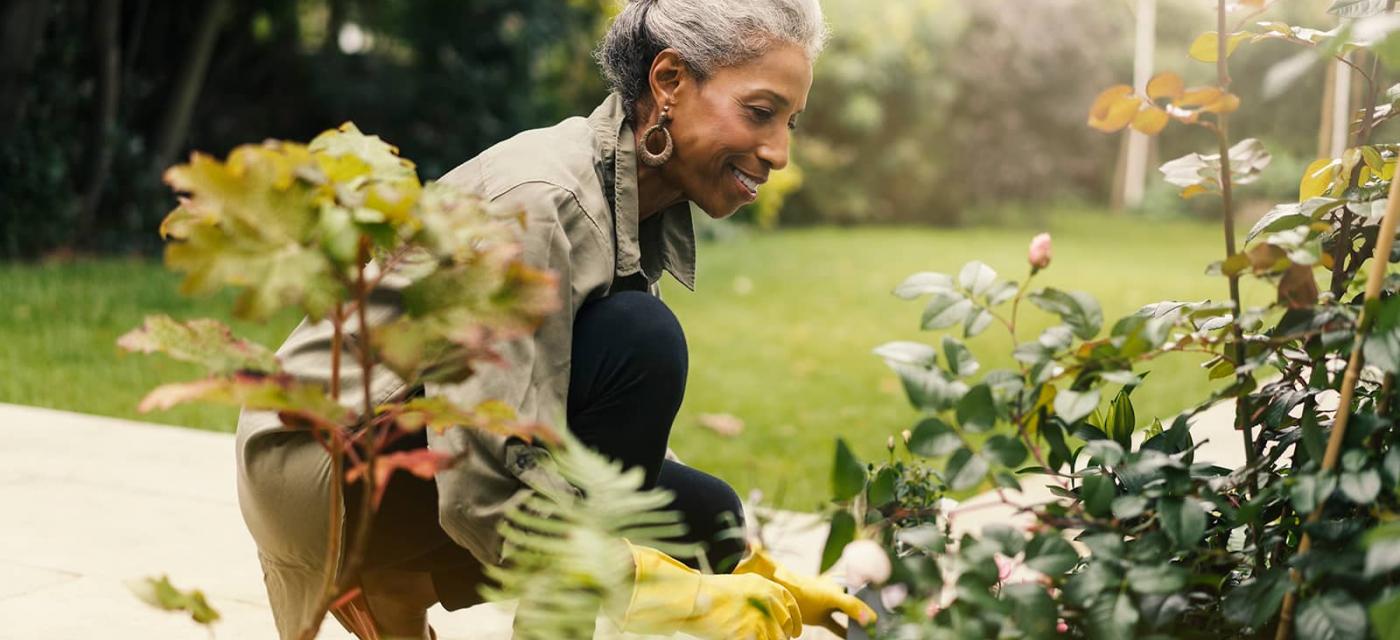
(626, 384)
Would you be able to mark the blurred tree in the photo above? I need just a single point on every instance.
(100, 95)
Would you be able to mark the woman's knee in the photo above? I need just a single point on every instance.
(639, 327)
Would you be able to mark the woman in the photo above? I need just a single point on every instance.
(705, 96)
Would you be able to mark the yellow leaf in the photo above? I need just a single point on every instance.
(1114, 108)
(1206, 48)
(1165, 85)
(1388, 171)
(1151, 120)
(1317, 179)
(1194, 190)
(1227, 103)
(1199, 97)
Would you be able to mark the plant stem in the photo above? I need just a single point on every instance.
(339, 582)
(1222, 134)
(1380, 260)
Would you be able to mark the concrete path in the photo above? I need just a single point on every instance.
(91, 503)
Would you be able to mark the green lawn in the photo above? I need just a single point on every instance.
(780, 333)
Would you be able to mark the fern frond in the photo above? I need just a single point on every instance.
(565, 560)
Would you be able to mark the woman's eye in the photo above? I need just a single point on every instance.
(760, 114)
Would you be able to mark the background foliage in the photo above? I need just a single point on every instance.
(926, 111)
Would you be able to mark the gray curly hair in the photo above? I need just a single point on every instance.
(708, 34)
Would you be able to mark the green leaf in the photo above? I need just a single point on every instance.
(923, 283)
(1156, 579)
(1313, 440)
(1183, 519)
(1254, 603)
(1001, 293)
(1097, 492)
(1103, 452)
(1077, 309)
(925, 537)
(977, 410)
(933, 438)
(1383, 550)
(945, 310)
(843, 531)
(882, 489)
(1113, 617)
(205, 342)
(1005, 450)
(1385, 616)
(977, 322)
(1310, 491)
(1073, 406)
(1099, 580)
(1382, 349)
(161, 594)
(1331, 615)
(960, 361)
(1129, 506)
(1032, 608)
(977, 277)
(1122, 419)
(1356, 8)
(1050, 554)
(965, 470)
(903, 352)
(847, 473)
(1360, 487)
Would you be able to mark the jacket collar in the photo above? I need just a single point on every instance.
(666, 239)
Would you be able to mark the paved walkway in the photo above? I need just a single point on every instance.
(94, 502)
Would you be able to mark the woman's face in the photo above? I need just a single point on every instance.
(734, 128)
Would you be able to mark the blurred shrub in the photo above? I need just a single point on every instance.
(926, 108)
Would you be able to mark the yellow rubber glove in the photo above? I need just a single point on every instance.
(817, 597)
(669, 597)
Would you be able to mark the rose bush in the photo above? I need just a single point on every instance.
(1145, 539)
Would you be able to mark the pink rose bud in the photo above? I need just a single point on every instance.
(1039, 253)
(866, 563)
(1061, 626)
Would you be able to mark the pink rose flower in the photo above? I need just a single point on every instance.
(1039, 252)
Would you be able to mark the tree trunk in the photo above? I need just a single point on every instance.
(21, 34)
(337, 13)
(176, 125)
(107, 32)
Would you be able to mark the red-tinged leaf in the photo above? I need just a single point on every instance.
(205, 342)
(1297, 289)
(439, 414)
(275, 392)
(423, 463)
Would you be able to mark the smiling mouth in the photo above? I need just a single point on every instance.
(749, 183)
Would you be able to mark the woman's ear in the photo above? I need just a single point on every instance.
(669, 75)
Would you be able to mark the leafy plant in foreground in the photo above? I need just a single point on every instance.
(323, 227)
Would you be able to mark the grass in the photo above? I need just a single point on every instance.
(780, 332)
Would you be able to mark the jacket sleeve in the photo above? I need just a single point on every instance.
(476, 493)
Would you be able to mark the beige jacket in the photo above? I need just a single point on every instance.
(577, 183)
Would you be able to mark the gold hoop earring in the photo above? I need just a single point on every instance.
(657, 159)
